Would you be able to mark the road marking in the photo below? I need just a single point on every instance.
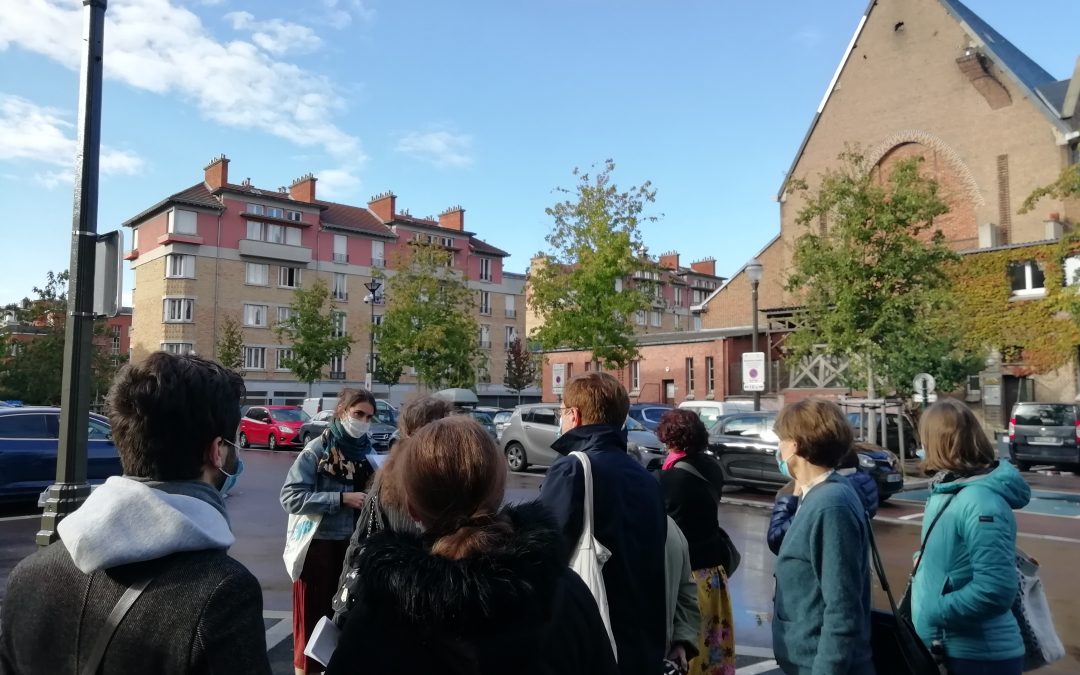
(276, 614)
(3, 520)
(756, 652)
(912, 516)
(278, 632)
(763, 667)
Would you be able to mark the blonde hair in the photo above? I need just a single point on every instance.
(599, 397)
(953, 438)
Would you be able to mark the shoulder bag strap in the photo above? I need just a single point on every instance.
(929, 530)
(104, 637)
(587, 513)
(694, 472)
(879, 568)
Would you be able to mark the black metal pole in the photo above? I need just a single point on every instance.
(753, 337)
(71, 489)
(371, 342)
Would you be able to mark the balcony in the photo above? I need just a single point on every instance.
(486, 311)
(341, 258)
(485, 344)
(265, 249)
(378, 262)
(511, 314)
(179, 238)
(337, 375)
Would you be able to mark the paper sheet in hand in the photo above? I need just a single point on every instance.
(323, 641)
(377, 460)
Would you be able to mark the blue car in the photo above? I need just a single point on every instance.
(29, 438)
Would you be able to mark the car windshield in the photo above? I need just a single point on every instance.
(633, 425)
(503, 416)
(482, 418)
(1045, 415)
(708, 416)
(289, 415)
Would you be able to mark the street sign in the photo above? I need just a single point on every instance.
(923, 384)
(753, 371)
(558, 378)
(109, 273)
(367, 381)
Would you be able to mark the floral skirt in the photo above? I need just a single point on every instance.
(716, 638)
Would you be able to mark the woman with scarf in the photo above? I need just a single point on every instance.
(692, 482)
(328, 477)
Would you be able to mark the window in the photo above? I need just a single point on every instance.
(98, 431)
(546, 416)
(180, 266)
(689, 376)
(135, 239)
(182, 222)
(256, 274)
(678, 296)
(23, 426)
(508, 335)
(378, 258)
(283, 355)
(114, 348)
(1072, 270)
(485, 269)
(485, 303)
(639, 317)
(340, 290)
(275, 212)
(179, 348)
(337, 367)
(448, 242)
(179, 310)
(341, 247)
(618, 285)
(658, 291)
(697, 322)
(635, 375)
(257, 209)
(289, 277)
(254, 358)
(485, 336)
(588, 366)
(254, 230)
(255, 316)
(654, 318)
(283, 314)
(294, 216)
(292, 236)
(511, 313)
(339, 324)
(710, 375)
(275, 234)
(1026, 278)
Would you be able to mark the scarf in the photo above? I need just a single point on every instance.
(672, 457)
(346, 458)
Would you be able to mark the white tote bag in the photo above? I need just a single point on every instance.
(590, 555)
(298, 540)
(1041, 642)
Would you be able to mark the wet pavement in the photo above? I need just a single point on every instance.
(259, 524)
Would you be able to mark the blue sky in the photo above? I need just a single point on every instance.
(488, 104)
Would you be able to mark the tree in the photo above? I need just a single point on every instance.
(1065, 186)
(580, 289)
(520, 368)
(874, 286)
(429, 322)
(230, 346)
(314, 331)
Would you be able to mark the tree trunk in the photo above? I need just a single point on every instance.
(871, 431)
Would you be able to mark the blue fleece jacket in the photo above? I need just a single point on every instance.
(964, 588)
(785, 507)
(821, 618)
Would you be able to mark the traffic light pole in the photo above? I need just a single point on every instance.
(71, 489)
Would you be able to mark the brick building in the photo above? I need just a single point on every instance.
(931, 78)
(220, 249)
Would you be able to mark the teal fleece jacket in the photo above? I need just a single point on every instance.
(821, 622)
(964, 588)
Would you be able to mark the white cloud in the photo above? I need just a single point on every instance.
(340, 14)
(440, 148)
(37, 134)
(159, 46)
(274, 35)
(341, 184)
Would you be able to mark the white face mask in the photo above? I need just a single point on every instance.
(355, 428)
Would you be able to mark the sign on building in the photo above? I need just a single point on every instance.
(753, 371)
(558, 378)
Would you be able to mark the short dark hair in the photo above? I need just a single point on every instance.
(599, 397)
(421, 412)
(683, 430)
(819, 428)
(165, 411)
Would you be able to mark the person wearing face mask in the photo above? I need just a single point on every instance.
(162, 527)
(821, 608)
(328, 477)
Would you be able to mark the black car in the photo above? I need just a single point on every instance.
(1045, 433)
(745, 445)
(380, 432)
(649, 414)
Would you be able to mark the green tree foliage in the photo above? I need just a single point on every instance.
(1067, 185)
(309, 332)
(874, 287)
(429, 322)
(581, 287)
(230, 346)
(520, 367)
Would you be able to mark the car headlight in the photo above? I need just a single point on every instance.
(284, 429)
(866, 462)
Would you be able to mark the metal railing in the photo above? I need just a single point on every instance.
(341, 257)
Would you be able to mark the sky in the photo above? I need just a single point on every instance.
(486, 104)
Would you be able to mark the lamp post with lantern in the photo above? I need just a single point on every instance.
(373, 288)
(755, 271)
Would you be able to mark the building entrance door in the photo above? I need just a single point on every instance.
(668, 392)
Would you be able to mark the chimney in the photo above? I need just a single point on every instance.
(453, 218)
(670, 260)
(1054, 227)
(303, 188)
(384, 206)
(217, 172)
(704, 266)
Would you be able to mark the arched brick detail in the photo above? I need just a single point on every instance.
(940, 147)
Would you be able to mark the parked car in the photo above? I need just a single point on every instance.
(746, 445)
(272, 425)
(892, 432)
(385, 411)
(534, 427)
(485, 421)
(710, 411)
(379, 432)
(1045, 433)
(29, 442)
(649, 414)
(501, 420)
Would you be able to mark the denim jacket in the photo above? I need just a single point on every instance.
(308, 491)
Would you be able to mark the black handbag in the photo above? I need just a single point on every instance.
(897, 649)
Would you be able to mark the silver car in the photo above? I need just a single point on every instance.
(533, 428)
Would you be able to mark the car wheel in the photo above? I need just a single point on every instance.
(271, 440)
(515, 457)
(1023, 466)
(244, 440)
(306, 438)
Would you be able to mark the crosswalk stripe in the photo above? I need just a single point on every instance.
(757, 668)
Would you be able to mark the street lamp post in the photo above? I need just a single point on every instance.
(754, 271)
(373, 288)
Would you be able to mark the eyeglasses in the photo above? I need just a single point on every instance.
(563, 410)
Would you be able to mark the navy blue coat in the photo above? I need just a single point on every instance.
(784, 508)
(629, 519)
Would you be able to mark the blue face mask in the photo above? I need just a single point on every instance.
(921, 453)
(231, 478)
(781, 464)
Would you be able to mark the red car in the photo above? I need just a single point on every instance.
(272, 425)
